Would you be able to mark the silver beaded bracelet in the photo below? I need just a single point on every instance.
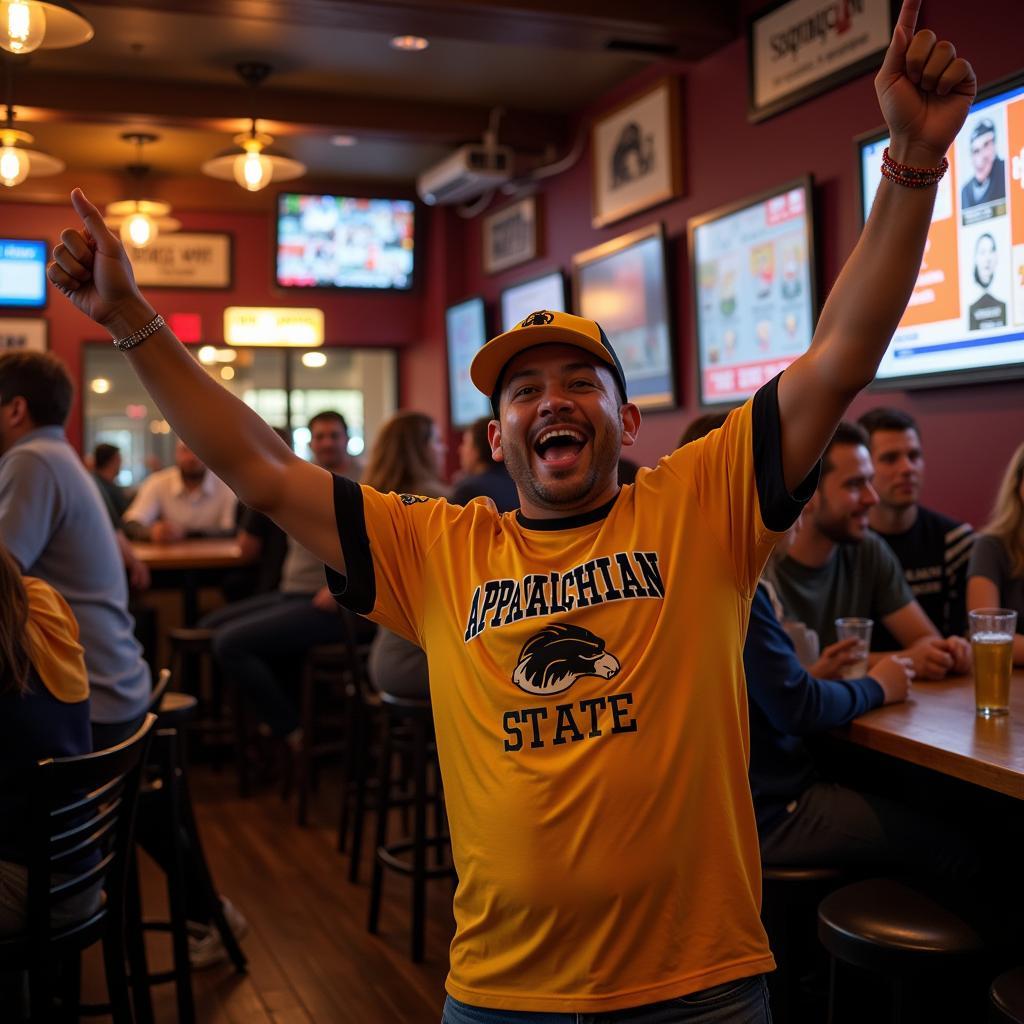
(139, 336)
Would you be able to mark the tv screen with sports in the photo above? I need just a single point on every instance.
(23, 273)
(965, 319)
(623, 285)
(344, 242)
(753, 290)
(520, 300)
(466, 331)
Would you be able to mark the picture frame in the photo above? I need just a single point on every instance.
(195, 260)
(792, 56)
(24, 334)
(636, 149)
(519, 300)
(511, 236)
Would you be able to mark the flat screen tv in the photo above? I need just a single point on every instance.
(344, 242)
(518, 301)
(753, 290)
(623, 285)
(965, 319)
(465, 330)
(23, 273)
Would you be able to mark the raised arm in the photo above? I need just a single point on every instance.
(925, 91)
(91, 268)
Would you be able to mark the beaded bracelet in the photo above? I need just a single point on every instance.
(912, 177)
(139, 336)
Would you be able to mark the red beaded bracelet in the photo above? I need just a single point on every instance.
(912, 177)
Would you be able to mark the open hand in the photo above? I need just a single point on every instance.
(924, 90)
(91, 268)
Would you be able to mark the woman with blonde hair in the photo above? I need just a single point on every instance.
(995, 576)
(407, 458)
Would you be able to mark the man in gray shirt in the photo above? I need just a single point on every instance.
(53, 521)
(837, 566)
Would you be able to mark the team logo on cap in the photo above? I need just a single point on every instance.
(560, 654)
(538, 319)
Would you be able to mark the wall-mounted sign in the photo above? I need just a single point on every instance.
(22, 334)
(184, 259)
(266, 325)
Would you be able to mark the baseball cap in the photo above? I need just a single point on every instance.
(544, 327)
(982, 127)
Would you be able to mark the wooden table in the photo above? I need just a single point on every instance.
(938, 729)
(189, 565)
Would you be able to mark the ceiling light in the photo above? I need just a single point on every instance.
(207, 355)
(410, 43)
(343, 140)
(253, 165)
(27, 25)
(17, 160)
(314, 360)
(227, 373)
(139, 221)
(99, 385)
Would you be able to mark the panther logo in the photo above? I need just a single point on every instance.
(538, 319)
(553, 659)
(412, 499)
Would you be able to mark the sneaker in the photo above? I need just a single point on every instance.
(205, 948)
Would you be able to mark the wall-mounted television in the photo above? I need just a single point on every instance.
(466, 331)
(23, 273)
(753, 288)
(344, 242)
(623, 285)
(518, 301)
(965, 319)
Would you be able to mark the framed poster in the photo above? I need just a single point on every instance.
(797, 49)
(637, 154)
(511, 235)
(23, 334)
(465, 332)
(184, 259)
(519, 300)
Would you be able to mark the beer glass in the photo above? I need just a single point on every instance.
(992, 632)
(860, 630)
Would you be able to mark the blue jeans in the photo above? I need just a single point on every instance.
(744, 1001)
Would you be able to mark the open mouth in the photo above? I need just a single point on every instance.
(559, 447)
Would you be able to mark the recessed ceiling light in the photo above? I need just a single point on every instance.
(314, 360)
(99, 385)
(343, 140)
(410, 43)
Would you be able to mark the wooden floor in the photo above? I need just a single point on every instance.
(310, 956)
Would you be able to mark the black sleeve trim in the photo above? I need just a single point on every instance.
(357, 589)
(779, 508)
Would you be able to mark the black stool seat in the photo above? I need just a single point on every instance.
(885, 926)
(1007, 997)
(800, 874)
(176, 709)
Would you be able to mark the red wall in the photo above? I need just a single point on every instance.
(969, 432)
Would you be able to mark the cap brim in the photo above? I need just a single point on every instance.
(490, 360)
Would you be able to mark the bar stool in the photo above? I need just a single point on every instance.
(169, 786)
(790, 897)
(1007, 997)
(887, 928)
(409, 729)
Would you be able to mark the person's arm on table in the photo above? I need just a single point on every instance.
(91, 268)
(983, 593)
(932, 655)
(925, 91)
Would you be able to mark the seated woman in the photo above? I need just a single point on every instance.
(406, 458)
(44, 712)
(995, 575)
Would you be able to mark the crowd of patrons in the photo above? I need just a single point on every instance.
(73, 677)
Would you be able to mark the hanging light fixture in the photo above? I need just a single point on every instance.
(257, 164)
(27, 25)
(139, 221)
(18, 160)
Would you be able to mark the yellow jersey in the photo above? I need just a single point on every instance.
(587, 687)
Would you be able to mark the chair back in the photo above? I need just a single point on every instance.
(156, 695)
(81, 820)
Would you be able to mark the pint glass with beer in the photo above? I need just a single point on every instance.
(992, 631)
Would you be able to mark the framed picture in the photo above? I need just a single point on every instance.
(26, 334)
(511, 235)
(796, 49)
(465, 331)
(519, 300)
(637, 154)
(184, 259)
(623, 285)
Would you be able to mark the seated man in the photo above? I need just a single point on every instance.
(106, 465)
(932, 548)
(837, 566)
(184, 500)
